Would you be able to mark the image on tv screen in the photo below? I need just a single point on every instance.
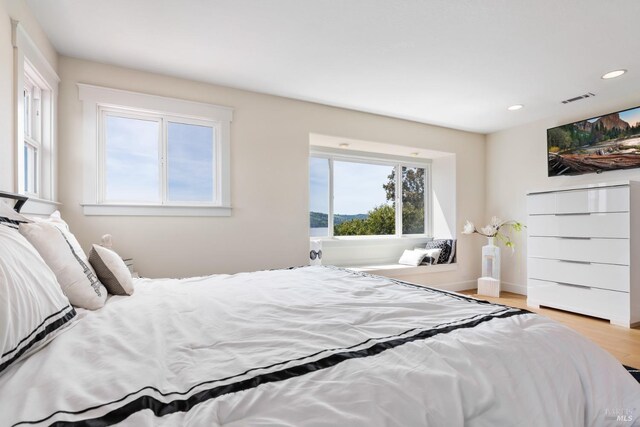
(598, 144)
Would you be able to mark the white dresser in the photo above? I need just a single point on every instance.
(583, 250)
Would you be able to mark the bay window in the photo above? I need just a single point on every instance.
(358, 196)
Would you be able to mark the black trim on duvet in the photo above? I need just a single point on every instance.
(160, 408)
(51, 327)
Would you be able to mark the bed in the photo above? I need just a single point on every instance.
(314, 346)
(309, 346)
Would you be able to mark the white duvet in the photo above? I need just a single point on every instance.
(314, 346)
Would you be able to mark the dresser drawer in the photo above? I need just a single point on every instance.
(591, 301)
(593, 200)
(614, 225)
(612, 199)
(609, 251)
(603, 276)
(542, 203)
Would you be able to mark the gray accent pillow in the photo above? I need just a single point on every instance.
(111, 270)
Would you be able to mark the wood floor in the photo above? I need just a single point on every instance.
(622, 343)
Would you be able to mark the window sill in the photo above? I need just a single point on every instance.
(155, 210)
(403, 270)
(370, 240)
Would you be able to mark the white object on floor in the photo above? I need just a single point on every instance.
(489, 286)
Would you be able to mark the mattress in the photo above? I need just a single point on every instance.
(314, 346)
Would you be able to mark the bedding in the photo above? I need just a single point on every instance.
(313, 346)
(111, 270)
(33, 309)
(63, 254)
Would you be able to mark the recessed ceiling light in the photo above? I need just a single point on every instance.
(613, 74)
(515, 107)
(343, 145)
(415, 154)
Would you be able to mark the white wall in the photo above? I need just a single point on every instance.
(517, 164)
(269, 155)
(16, 10)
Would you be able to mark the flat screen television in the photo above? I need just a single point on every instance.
(597, 144)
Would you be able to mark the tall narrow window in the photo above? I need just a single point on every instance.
(32, 116)
(35, 103)
(357, 197)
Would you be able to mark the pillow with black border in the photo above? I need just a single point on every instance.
(111, 270)
(34, 309)
(62, 253)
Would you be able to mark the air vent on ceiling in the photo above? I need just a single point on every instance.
(578, 98)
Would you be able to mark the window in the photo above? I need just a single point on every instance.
(32, 143)
(157, 159)
(36, 84)
(155, 155)
(356, 196)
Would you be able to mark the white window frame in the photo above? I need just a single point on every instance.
(398, 162)
(31, 66)
(100, 100)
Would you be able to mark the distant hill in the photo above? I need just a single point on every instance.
(319, 219)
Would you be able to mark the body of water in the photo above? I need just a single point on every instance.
(318, 231)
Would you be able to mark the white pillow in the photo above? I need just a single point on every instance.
(63, 254)
(111, 270)
(414, 257)
(430, 255)
(411, 257)
(33, 309)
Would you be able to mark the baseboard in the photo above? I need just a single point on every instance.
(456, 286)
(512, 287)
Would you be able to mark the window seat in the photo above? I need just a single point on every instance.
(402, 270)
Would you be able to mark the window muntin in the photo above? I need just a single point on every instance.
(338, 182)
(157, 159)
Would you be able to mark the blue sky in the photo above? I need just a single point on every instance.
(132, 161)
(190, 163)
(630, 116)
(357, 186)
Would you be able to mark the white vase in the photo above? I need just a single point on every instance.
(491, 260)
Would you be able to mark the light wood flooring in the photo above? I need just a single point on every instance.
(622, 343)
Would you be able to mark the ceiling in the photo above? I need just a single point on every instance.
(455, 63)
